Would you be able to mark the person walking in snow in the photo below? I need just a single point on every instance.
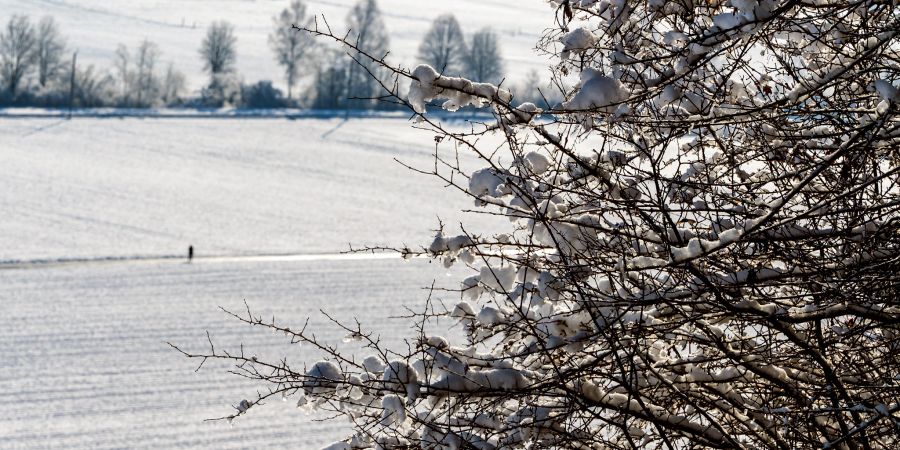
(190, 253)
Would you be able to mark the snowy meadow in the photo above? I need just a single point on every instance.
(97, 214)
(687, 237)
(97, 217)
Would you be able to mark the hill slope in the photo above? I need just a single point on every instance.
(96, 27)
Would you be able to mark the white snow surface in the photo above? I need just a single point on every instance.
(100, 188)
(95, 27)
(85, 363)
(93, 283)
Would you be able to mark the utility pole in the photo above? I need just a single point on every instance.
(72, 84)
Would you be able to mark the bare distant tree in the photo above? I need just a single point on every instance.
(444, 46)
(289, 44)
(91, 88)
(483, 59)
(123, 70)
(94, 89)
(535, 89)
(16, 53)
(369, 35)
(146, 81)
(173, 85)
(330, 84)
(529, 90)
(139, 80)
(49, 49)
(218, 48)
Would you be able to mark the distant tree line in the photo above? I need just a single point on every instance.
(38, 69)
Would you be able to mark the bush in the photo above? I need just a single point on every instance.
(223, 91)
(262, 95)
(703, 252)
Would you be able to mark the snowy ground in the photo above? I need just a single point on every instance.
(87, 304)
(85, 364)
(95, 27)
(91, 188)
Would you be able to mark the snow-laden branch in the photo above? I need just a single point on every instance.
(702, 247)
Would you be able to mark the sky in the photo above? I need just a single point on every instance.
(95, 27)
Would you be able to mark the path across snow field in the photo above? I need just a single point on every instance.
(120, 260)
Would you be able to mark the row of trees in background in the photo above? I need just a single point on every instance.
(353, 83)
(445, 49)
(37, 68)
(140, 80)
(25, 48)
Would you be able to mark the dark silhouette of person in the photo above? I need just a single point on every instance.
(190, 253)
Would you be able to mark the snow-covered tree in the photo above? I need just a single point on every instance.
(218, 49)
(329, 89)
(219, 54)
(444, 46)
(533, 90)
(484, 61)
(122, 64)
(368, 35)
(147, 84)
(141, 83)
(703, 249)
(224, 90)
(49, 49)
(291, 46)
(92, 88)
(16, 53)
(173, 86)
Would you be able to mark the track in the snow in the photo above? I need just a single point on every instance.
(118, 260)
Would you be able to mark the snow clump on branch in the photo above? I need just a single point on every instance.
(427, 85)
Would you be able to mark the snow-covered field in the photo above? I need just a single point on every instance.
(95, 27)
(86, 304)
(84, 361)
(91, 188)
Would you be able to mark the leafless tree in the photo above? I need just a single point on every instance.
(219, 57)
(329, 90)
(532, 89)
(173, 86)
(17, 44)
(125, 75)
(369, 36)
(147, 87)
(444, 46)
(484, 61)
(91, 88)
(703, 250)
(49, 51)
(290, 45)
(218, 48)
(138, 75)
